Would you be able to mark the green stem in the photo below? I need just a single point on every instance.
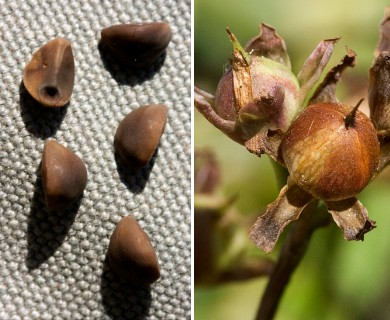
(291, 254)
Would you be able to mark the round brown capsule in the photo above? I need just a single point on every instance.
(138, 45)
(49, 76)
(331, 151)
(131, 254)
(139, 133)
(64, 176)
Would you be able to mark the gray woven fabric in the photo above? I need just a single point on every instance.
(52, 266)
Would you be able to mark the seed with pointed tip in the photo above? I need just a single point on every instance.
(131, 254)
(64, 176)
(139, 133)
(138, 44)
(49, 76)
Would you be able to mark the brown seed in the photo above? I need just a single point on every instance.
(139, 44)
(64, 176)
(139, 133)
(131, 254)
(49, 76)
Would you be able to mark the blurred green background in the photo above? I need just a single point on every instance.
(336, 279)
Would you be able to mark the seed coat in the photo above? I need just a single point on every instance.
(64, 176)
(131, 254)
(139, 133)
(49, 75)
(137, 45)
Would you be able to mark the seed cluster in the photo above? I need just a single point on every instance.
(49, 79)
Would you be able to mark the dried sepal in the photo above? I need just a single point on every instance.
(270, 45)
(326, 91)
(384, 34)
(314, 65)
(256, 145)
(269, 108)
(351, 217)
(379, 91)
(285, 209)
(379, 80)
(242, 80)
(266, 142)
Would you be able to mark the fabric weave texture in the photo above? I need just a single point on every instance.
(53, 264)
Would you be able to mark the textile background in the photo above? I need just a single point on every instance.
(52, 265)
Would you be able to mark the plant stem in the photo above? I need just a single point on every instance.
(246, 270)
(290, 256)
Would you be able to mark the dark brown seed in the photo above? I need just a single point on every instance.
(131, 254)
(49, 76)
(139, 44)
(64, 176)
(139, 133)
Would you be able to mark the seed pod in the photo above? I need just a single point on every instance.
(138, 45)
(49, 76)
(139, 133)
(131, 254)
(259, 97)
(274, 88)
(64, 176)
(331, 151)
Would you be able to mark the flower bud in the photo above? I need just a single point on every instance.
(331, 151)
